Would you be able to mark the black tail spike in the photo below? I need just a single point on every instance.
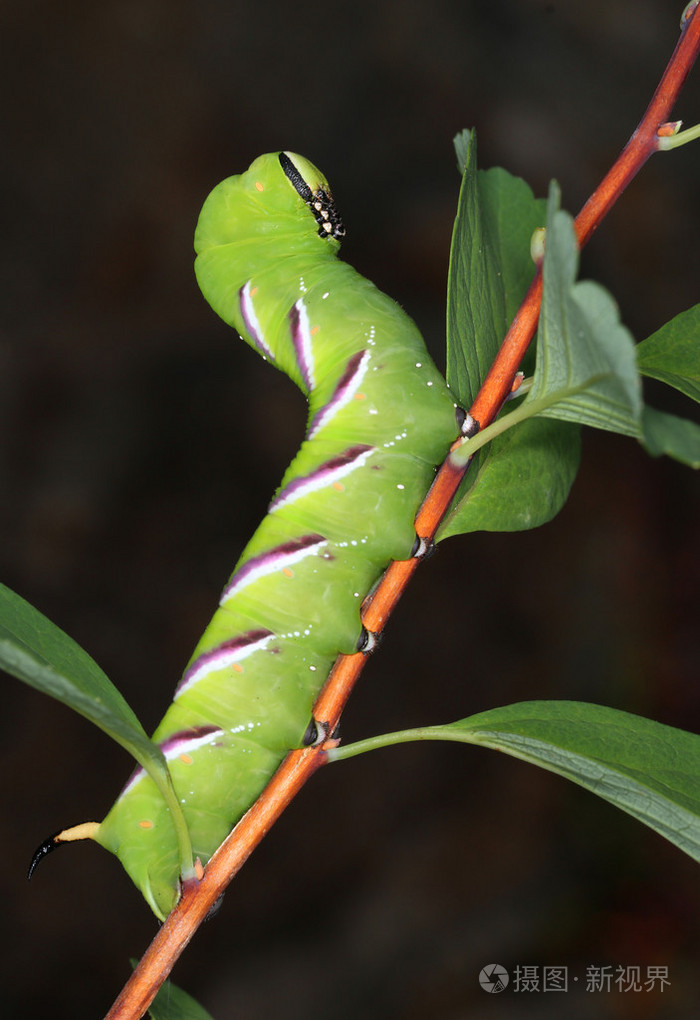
(86, 830)
(42, 850)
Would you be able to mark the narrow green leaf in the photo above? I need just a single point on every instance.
(36, 651)
(522, 485)
(586, 369)
(672, 353)
(645, 768)
(676, 437)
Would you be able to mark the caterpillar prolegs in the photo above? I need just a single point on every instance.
(380, 419)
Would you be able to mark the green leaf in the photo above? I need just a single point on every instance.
(36, 651)
(511, 214)
(490, 272)
(666, 433)
(490, 266)
(672, 353)
(171, 1003)
(524, 483)
(647, 769)
(586, 369)
(472, 339)
(461, 142)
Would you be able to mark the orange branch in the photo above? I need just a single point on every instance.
(199, 897)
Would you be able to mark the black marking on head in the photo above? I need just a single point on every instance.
(47, 847)
(295, 177)
(320, 202)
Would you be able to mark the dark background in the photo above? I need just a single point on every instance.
(140, 443)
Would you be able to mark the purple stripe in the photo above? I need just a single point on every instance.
(344, 391)
(301, 339)
(179, 743)
(324, 475)
(250, 320)
(189, 740)
(268, 562)
(225, 654)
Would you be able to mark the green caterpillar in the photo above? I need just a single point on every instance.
(380, 419)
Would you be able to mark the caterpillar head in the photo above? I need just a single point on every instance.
(282, 199)
(312, 186)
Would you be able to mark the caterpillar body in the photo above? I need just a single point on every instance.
(380, 419)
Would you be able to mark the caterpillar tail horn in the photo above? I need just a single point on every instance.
(86, 830)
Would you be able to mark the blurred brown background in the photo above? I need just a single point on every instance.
(140, 443)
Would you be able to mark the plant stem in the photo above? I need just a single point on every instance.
(165, 785)
(442, 733)
(200, 896)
